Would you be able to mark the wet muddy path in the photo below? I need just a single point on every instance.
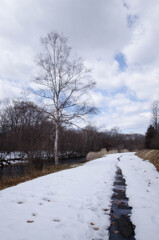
(121, 226)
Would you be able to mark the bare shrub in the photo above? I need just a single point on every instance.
(102, 153)
(112, 151)
(95, 155)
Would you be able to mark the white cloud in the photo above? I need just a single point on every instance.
(9, 89)
(127, 123)
(97, 30)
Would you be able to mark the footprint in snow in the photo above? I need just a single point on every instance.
(56, 220)
(34, 214)
(46, 199)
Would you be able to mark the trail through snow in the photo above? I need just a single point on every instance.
(75, 204)
(142, 181)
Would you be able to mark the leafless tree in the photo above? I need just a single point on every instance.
(63, 82)
(22, 126)
(155, 114)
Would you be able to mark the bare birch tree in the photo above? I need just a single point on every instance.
(63, 82)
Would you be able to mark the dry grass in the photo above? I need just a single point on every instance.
(102, 153)
(95, 155)
(112, 151)
(33, 173)
(151, 155)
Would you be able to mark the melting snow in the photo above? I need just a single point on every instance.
(61, 205)
(142, 181)
(70, 204)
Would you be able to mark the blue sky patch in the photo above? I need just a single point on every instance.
(131, 19)
(120, 58)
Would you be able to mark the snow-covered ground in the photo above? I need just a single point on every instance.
(13, 157)
(74, 204)
(142, 181)
(61, 205)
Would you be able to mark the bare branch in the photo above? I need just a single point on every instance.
(64, 82)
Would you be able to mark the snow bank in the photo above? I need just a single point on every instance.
(61, 205)
(142, 181)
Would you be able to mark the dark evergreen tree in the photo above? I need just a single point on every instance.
(149, 137)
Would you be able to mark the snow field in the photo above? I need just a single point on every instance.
(65, 205)
(70, 204)
(142, 181)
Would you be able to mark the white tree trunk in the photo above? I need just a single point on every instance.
(56, 145)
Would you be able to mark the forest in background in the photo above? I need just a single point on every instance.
(26, 128)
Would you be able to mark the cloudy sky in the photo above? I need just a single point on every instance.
(118, 39)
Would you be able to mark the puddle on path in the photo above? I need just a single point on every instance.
(121, 226)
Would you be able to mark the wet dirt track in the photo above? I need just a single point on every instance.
(121, 226)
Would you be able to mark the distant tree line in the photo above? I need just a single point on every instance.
(152, 134)
(27, 129)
